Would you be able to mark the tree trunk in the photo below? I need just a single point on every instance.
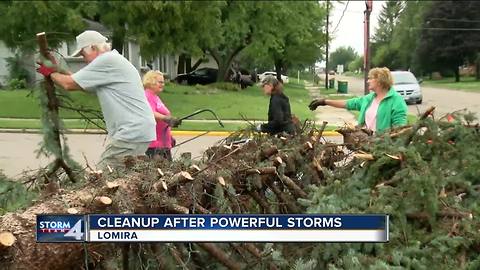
(224, 62)
(53, 116)
(477, 68)
(198, 63)
(118, 38)
(181, 64)
(278, 69)
(457, 74)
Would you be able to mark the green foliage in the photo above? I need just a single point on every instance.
(387, 20)
(17, 73)
(21, 21)
(300, 264)
(428, 179)
(447, 49)
(356, 64)
(383, 53)
(14, 195)
(342, 56)
(406, 34)
(286, 44)
(51, 124)
(15, 84)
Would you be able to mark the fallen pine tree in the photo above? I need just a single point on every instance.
(425, 177)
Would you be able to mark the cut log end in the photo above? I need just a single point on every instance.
(160, 186)
(277, 161)
(364, 156)
(112, 185)
(103, 200)
(7, 239)
(160, 172)
(185, 175)
(221, 181)
(308, 145)
(194, 169)
(72, 211)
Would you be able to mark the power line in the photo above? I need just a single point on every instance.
(446, 29)
(343, 13)
(453, 20)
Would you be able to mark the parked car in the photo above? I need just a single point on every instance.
(199, 76)
(272, 73)
(405, 83)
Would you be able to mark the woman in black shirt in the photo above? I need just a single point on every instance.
(279, 114)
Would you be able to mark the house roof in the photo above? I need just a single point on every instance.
(96, 26)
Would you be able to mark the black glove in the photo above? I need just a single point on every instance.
(316, 102)
(173, 122)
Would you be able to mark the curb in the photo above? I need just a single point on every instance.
(174, 132)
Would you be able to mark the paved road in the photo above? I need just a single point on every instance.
(18, 149)
(444, 100)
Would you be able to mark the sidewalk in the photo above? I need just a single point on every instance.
(334, 116)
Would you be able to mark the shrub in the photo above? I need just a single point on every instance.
(16, 72)
(17, 84)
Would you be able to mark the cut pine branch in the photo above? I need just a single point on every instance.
(53, 117)
(220, 255)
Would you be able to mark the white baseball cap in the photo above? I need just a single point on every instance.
(86, 39)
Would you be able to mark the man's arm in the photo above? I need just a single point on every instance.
(65, 81)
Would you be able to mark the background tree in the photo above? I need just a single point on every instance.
(285, 44)
(302, 42)
(448, 37)
(356, 64)
(383, 53)
(21, 21)
(342, 56)
(406, 33)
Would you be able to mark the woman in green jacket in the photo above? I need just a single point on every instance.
(380, 110)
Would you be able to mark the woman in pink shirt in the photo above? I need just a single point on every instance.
(153, 82)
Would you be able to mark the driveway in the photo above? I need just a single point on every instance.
(444, 100)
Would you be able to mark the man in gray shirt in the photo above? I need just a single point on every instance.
(118, 86)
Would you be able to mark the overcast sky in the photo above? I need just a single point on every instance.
(350, 29)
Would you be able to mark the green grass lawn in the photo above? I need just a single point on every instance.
(81, 124)
(468, 84)
(181, 100)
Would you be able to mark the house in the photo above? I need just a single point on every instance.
(167, 63)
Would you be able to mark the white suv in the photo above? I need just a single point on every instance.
(405, 83)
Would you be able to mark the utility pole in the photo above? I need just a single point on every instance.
(366, 54)
(326, 51)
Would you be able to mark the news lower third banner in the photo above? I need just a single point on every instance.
(212, 228)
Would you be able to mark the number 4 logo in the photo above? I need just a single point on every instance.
(76, 231)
